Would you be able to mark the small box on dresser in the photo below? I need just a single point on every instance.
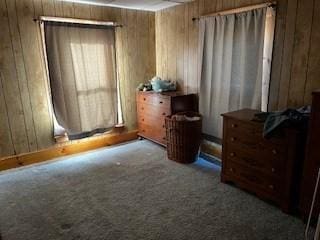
(152, 108)
(267, 167)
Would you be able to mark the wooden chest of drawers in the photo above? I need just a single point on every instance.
(152, 108)
(312, 163)
(266, 167)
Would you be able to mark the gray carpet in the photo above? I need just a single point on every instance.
(132, 191)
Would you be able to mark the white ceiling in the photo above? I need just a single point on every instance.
(148, 5)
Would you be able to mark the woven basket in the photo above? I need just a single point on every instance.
(183, 138)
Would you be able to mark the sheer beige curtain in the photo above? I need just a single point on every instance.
(82, 70)
(234, 58)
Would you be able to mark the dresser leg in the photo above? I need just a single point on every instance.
(223, 178)
(286, 208)
(140, 138)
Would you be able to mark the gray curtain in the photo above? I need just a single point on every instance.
(81, 62)
(231, 52)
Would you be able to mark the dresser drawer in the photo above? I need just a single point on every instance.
(253, 178)
(239, 127)
(258, 148)
(271, 166)
(251, 132)
(156, 133)
(157, 100)
(151, 110)
(158, 122)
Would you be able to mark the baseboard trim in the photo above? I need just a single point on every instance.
(212, 149)
(71, 147)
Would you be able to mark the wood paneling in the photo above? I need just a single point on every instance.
(165, 43)
(296, 57)
(25, 117)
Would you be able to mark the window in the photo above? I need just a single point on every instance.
(83, 80)
(236, 63)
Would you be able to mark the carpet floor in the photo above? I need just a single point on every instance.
(132, 191)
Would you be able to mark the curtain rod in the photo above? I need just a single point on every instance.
(77, 21)
(238, 10)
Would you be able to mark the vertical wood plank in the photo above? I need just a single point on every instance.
(313, 79)
(125, 64)
(180, 47)
(158, 41)
(68, 9)
(301, 53)
(82, 11)
(165, 46)
(171, 44)
(10, 85)
(48, 7)
(119, 54)
(35, 73)
(58, 8)
(209, 7)
(151, 64)
(277, 55)
(186, 48)
(21, 75)
(6, 144)
(287, 54)
(132, 45)
(193, 47)
(219, 5)
(96, 13)
(228, 4)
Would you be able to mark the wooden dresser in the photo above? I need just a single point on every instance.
(311, 162)
(152, 108)
(267, 168)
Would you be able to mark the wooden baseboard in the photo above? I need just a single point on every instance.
(212, 149)
(65, 149)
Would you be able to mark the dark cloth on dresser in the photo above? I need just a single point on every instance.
(275, 121)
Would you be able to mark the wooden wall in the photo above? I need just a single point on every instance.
(296, 58)
(25, 120)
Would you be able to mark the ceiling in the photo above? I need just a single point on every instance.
(148, 5)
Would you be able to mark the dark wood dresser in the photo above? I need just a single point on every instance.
(311, 162)
(152, 108)
(266, 167)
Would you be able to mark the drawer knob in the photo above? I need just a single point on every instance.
(231, 169)
(233, 139)
(271, 186)
(274, 151)
(233, 125)
(232, 154)
(163, 114)
(273, 170)
(142, 119)
(164, 138)
(142, 108)
(144, 99)
(160, 102)
(163, 126)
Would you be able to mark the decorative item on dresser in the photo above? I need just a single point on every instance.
(267, 167)
(311, 162)
(153, 107)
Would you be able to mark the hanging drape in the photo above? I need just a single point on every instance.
(82, 70)
(232, 54)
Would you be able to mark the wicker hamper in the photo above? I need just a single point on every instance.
(183, 138)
